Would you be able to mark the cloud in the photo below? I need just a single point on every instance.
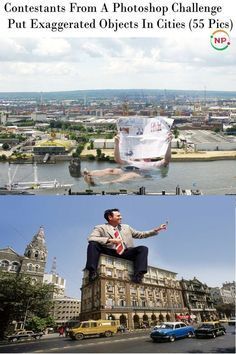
(52, 47)
(87, 63)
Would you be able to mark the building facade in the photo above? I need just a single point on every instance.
(59, 284)
(66, 311)
(197, 298)
(32, 263)
(114, 296)
(225, 294)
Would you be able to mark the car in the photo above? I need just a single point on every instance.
(20, 335)
(210, 330)
(171, 331)
(231, 321)
(104, 328)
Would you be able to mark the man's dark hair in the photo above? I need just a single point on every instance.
(109, 212)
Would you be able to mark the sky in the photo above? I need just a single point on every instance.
(62, 64)
(199, 241)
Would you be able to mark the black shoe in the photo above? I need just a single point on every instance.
(137, 278)
(92, 276)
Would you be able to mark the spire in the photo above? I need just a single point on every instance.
(36, 249)
(54, 266)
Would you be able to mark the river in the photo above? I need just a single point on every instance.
(212, 178)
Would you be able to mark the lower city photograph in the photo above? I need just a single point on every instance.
(117, 274)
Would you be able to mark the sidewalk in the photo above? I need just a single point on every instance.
(51, 335)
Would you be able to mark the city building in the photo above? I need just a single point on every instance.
(38, 116)
(58, 282)
(66, 311)
(225, 294)
(197, 299)
(114, 296)
(31, 264)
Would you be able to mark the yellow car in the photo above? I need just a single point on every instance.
(90, 328)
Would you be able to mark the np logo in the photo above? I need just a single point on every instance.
(220, 40)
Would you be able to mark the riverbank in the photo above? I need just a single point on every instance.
(182, 156)
(178, 155)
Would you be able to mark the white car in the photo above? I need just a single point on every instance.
(231, 321)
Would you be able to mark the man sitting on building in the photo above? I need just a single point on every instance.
(115, 239)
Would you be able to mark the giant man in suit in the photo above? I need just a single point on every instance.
(103, 239)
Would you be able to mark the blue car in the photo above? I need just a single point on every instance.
(170, 331)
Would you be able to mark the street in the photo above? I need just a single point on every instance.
(134, 342)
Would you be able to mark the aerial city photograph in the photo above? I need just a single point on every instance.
(74, 111)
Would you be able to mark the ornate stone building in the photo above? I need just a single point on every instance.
(32, 263)
(198, 300)
(113, 295)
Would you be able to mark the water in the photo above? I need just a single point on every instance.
(215, 177)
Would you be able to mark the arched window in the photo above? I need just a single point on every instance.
(15, 266)
(136, 321)
(30, 267)
(123, 320)
(33, 281)
(122, 302)
(37, 268)
(5, 264)
(36, 254)
(154, 319)
(167, 317)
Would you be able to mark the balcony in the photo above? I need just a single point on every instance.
(147, 308)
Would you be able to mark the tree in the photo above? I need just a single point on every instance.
(38, 324)
(217, 130)
(176, 133)
(5, 146)
(225, 309)
(99, 153)
(3, 157)
(20, 300)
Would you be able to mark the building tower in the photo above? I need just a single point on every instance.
(35, 255)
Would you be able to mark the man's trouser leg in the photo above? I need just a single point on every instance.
(139, 256)
(136, 254)
(93, 252)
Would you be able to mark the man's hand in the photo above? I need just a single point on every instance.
(161, 228)
(117, 139)
(169, 137)
(115, 241)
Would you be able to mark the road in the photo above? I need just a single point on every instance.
(137, 342)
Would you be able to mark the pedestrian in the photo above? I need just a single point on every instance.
(61, 331)
(116, 239)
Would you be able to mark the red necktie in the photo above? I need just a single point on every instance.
(120, 247)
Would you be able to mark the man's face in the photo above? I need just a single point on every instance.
(115, 218)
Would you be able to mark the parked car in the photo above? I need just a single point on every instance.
(20, 335)
(210, 330)
(90, 328)
(171, 331)
(231, 321)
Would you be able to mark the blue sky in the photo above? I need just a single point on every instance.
(200, 240)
